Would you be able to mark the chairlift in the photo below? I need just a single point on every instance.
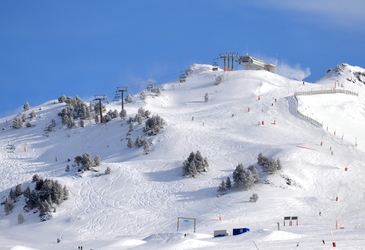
(215, 66)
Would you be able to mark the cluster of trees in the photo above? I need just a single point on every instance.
(139, 143)
(86, 162)
(78, 109)
(75, 109)
(195, 164)
(154, 125)
(41, 199)
(245, 178)
(269, 165)
(18, 121)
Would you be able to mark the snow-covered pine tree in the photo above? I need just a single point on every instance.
(24, 117)
(146, 147)
(123, 114)
(97, 160)
(254, 197)
(20, 219)
(130, 143)
(138, 119)
(131, 127)
(206, 97)
(243, 178)
(143, 95)
(128, 99)
(8, 206)
(18, 190)
(32, 114)
(62, 99)
(139, 141)
(228, 183)
(222, 188)
(17, 123)
(254, 172)
(26, 106)
(65, 193)
(108, 170)
(87, 161)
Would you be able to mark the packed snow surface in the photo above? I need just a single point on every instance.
(137, 206)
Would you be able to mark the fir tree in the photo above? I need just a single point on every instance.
(222, 188)
(206, 97)
(228, 183)
(97, 160)
(130, 142)
(243, 178)
(123, 114)
(20, 219)
(108, 170)
(143, 95)
(8, 206)
(17, 123)
(139, 141)
(26, 106)
(146, 147)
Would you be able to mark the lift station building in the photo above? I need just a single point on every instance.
(254, 63)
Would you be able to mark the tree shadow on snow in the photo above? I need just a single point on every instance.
(196, 195)
(165, 175)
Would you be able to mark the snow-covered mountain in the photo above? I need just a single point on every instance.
(137, 206)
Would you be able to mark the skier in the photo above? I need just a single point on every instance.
(298, 244)
(323, 242)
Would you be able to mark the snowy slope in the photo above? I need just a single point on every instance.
(136, 207)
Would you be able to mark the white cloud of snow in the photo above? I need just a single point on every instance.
(293, 72)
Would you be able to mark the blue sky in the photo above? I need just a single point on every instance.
(86, 48)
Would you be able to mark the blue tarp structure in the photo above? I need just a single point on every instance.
(237, 231)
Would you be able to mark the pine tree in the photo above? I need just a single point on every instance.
(222, 188)
(65, 193)
(143, 95)
(123, 114)
(24, 117)
(128, 99)
(131, 127)
(97, 160)
(254, 172)
(8, 206)
(228, 183)
(35, 178)
(108, 170)
(33, 114)
(12, 194)
(20, 219)
(130, 142)
(243, 178)
(87, 162)
(17, 123)
(139, 141)
(26, 192)
(254, 197)
(62, 98)
(18, 190)
(146, 147)
(67, 169)
(158, 92)
(26, 106)
(206, 97)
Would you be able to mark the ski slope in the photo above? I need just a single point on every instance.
(137, 205)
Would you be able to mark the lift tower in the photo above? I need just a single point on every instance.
(122, 89)
(100, 98)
